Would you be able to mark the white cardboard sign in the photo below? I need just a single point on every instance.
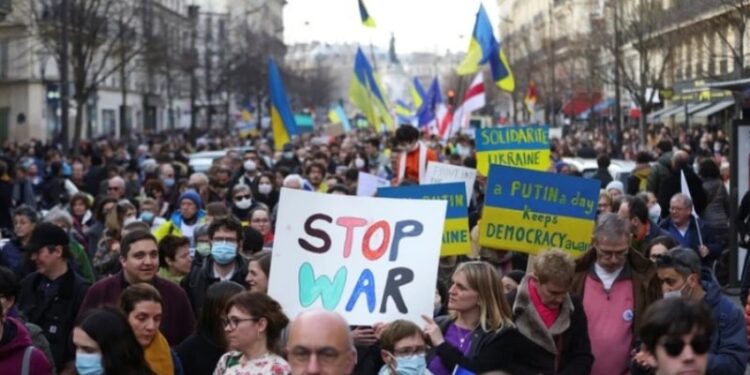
(368, 184)
(369, 259)
(440, 173)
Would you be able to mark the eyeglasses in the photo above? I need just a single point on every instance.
(326, 356)
(409, 351)
(619, 254)
(232, 322)
(675, 345)
(241, 197)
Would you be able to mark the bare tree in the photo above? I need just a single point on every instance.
(100, 42)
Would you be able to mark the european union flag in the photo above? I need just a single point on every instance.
(426, 113)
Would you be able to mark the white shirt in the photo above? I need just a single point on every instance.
(607, 278)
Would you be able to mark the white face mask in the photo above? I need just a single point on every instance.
(359, 163)
(244, 204)
(654, 213)
(128, 220)
(265, 188)
(250, 166)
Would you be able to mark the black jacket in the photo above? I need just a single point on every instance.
(672, 185)
(57, 316)
(199, 279)
(199, 355)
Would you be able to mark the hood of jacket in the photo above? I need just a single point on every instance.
(530, 324)
(20, 340)
(713, 292)
(177, 217)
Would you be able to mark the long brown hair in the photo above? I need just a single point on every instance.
(494, 310)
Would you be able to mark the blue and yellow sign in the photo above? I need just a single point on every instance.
(514, 146)
(456, 240)
(530, 211)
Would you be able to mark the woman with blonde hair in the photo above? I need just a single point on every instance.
(479, 315)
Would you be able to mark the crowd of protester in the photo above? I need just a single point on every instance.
(118, 257)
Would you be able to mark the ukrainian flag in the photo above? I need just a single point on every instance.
(366, 19)
(417, 93)
(485, 48)
(365, 93)
(282, 117)
(337, 116)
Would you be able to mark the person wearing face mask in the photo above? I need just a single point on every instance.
(288, 159)
(250, 169)
(264, 190)
(411, 164)
(681, 275)
(184, 220)
(243, 203)
(224, 263)
(402, 348)
(105, 344)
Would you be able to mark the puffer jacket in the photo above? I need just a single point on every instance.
(716, 214)
(13, 345)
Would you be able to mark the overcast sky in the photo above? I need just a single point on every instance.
(419, 25)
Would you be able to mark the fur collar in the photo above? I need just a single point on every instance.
(530, 324)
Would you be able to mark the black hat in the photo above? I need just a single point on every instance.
(46, 234)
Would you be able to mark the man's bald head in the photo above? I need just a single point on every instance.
(320, 342)
(680, 159)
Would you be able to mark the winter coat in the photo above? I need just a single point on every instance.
(57, 316)
(646, 287)
(199, 355)
(697, 232)
(716, 215)
(15, 341)
(659, 173)
(175, 222)
(673, 185)
(196, 283)
(177, 323)
(638, 180)
(563, 348)
(603, 176)
(729, 348)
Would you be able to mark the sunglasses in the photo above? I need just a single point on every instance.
(675, 346)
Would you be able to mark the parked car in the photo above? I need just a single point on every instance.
(618, 168)
(202, 161)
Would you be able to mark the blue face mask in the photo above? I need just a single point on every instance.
(223, 252)
(89, 363)
(147, 216)
(411, 365)
(168, 182)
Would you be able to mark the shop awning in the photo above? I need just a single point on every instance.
(691, 109)
(671, 112)
(702, 116)
(598, 108)
(656, 115)
(579, 103)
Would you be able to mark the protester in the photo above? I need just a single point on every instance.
(12, 253)
(51, 296)
(265, 190)
(139, 257)
(479, 315)
(602, 172)
(223, 264)
(658, 246)
(200, 352)
(17, 351)
(716, 214)
(635, 212)
(616, 285)
(614, 189)
(604, 204)
(676, 337)
(689, 231)
(184, 221)
(242, 203)
(259, 272)
(78, 256)
(638, 180)
(682, 276)
(511, 280)
(105, 344)
(260, 220)
(411, 163)
(143, 307)
(323, 332)
(673, 184)
(403, 349)
(253, 327)
(174, 258)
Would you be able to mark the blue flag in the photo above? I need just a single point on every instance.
(426, 113)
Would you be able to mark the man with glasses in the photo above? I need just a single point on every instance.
(688, 230)
(681, 276)
(616, 285)
(224, 263)
(676, 337)
(320, 343)
(116, 187)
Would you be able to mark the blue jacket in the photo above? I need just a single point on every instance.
(692, 239)
(729, 352)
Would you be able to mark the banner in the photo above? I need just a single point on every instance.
(456, 239)
(530, 211)
(442, 173)
(369, 259)
(514, 146)
(368, 184)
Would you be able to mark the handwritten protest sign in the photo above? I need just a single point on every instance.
(438, 173)
(368, 184)
(530, 211)
(369, 259)
(514, 146)
(456, 240)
